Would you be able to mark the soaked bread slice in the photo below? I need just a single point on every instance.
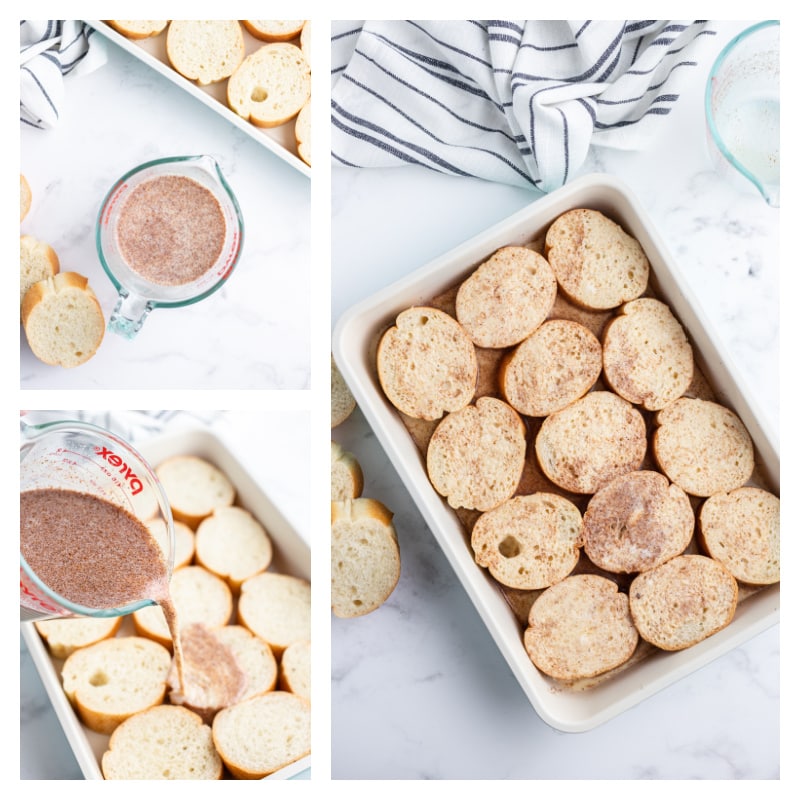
(647, 358)
(590, 442)
(476, 455)
(530, 541)
(506, 298)
(742, 530)
(365, 556)
(580, 627)
(553, 367)
(597, 264)
(205, 50)
(163, 743)
(427, 364)
(636, 522)
(683, 601)
(702, 446)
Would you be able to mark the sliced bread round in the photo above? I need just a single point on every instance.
(254, 657)
(205, 50)
(343, 404)
(295, 669)
(591, 442)
(506, 298)
(277, 608)
(647, 358)
(365, 556)
(111, 680)
(580, 627)
(636, 522)
(557, 364)
(427, 364)
(347, 477)
(37, 262)
(530, 541)
(302, 132)
(63, 321)
(233, 545)
(476, 455)
(271, 85)
(305, 40)
(597, 264)
(25, 197)
(702, 446)
(163, 743)
(138, 28)
(64, 636)
(274, 30)
(194, 487)
(742, 530)
(260, 736)
(683, 601)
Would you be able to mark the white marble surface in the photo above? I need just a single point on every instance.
(254, 332)
(282, 433)
(419, 689)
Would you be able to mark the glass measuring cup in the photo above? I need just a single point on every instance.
(160, 224)
(742, 105)
(82, 459)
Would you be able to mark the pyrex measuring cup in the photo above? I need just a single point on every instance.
(743, 110)
(169, 233)
(77, 457)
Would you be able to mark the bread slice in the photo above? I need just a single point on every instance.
(138, 28)
(365, 556)
(557, 364)
(205, 50)
(476, 455)
(530, 541)
(506, 298)
(702, 446)
(742, 530)
(194, 487)
(636, 522)
(343, 404)
(295, 669)
(64, 636)
(597, 264)
(277, 608)
(254, 657)
(37, 262)
(580, 627)
(302, 132)
(63, 321)
(647, 358)
(590, 442)
(274, 30)
(427, 364)
(163, 743)
(233, 545)
(347, 477)
(111, 680)
(305, 40)
(683, 601)
(198, 596)
(271, 85)
(260, 736)
(25, 197)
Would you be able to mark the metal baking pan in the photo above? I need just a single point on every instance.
(354, 345)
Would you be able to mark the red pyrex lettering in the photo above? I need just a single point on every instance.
(115, 461)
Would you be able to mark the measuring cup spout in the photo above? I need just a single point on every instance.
(129, 315)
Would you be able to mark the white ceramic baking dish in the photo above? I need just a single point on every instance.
(291, 555)
(152, 51)
(354, 346)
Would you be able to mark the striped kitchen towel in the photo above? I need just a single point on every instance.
(49, 50)
(511, 101)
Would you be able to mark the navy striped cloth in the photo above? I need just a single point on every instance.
(49, 50)
(512, 101)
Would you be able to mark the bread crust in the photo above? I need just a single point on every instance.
(427, 364)
(138, 28)
(683, 601)
(274, 30)
(343, 404)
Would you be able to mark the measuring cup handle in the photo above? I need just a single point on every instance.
(129, 315)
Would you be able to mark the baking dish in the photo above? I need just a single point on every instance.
(354, 345)
(152, 51)
(291, 556)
